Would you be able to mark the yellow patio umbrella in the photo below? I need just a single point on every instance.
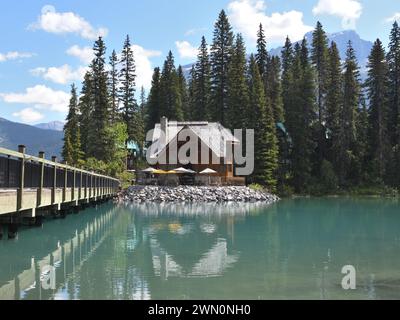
(158, 171)
(171, 172)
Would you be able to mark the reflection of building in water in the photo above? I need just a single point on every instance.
(213, 263)
(67, 256)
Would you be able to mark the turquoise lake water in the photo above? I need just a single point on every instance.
(294, 249)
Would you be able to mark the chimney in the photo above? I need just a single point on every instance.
(164, 129)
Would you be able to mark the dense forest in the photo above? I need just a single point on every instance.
(318, 127)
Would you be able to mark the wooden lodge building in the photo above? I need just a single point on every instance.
(211, 137)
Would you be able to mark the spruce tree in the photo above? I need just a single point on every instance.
(348, 118)
(319, 56)
(171, 100)
(262, 55)
(265, 142)
(153, 114)
(393, 59)
(302, 95)
(201, 84)
(275, 88)
(113, 88)
(86, 106)
(72, 149)
(377, 88)
(334, 98)
(287, 81)
(129, 108)
(183, 90)
(99, 119)
(221, 50)
(237, 94)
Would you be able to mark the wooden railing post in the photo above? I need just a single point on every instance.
(21, 149)
(65, 182)
(74, 185)
(80, 186)
(53, 189)
(40, 190)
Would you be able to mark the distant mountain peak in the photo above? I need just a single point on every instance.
(53, 125)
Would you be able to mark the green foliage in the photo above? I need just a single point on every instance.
(221, 50)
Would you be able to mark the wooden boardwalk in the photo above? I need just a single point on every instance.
(31, 187)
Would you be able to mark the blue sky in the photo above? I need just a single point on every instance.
(45, 45)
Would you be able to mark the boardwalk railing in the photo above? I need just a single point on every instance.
(28, 183)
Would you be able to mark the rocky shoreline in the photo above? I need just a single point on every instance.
(195, 194)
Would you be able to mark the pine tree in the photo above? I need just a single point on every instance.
(393, 59)
(287, 81)
(72, 152)
(319, 56)
(113, 87)
(221, 50)
(262, 55)
(265, 144)
(86, 106)
(153, 114)
(192, 95)
(171, 100)
(378, 111)
(302, 118)
(129, 109)
(237, 94)
(334, 98)
(99, 119)
(348, 117)
(183, 90)
(275, 88)
(201, 84)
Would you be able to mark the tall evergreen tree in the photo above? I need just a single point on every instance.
(153, 114)
(129, 109)
(237, 97)
(113, 88)
(183, 90)
(302, 118)
(393, 59)
(334, 98)
(221, 50)
(347, 151)
(99, 118)
(287, 80)
(275, 88)
(86, 106)
(262, 55)
(201, 84)
(378, 111)
(171, 100)
(319, 56)
(72, 152)
(265, 144)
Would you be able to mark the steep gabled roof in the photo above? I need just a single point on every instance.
(212, 134)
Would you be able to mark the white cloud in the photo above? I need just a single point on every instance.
(61, 75)
(144, 69)
(66, 22)
(246, 16)
(28, 115)
(14, 55)
(348, 10)
(85, 54)
(41, 97)
(186, 50)
(395, 17)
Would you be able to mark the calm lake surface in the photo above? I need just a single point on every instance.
(294, 249)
